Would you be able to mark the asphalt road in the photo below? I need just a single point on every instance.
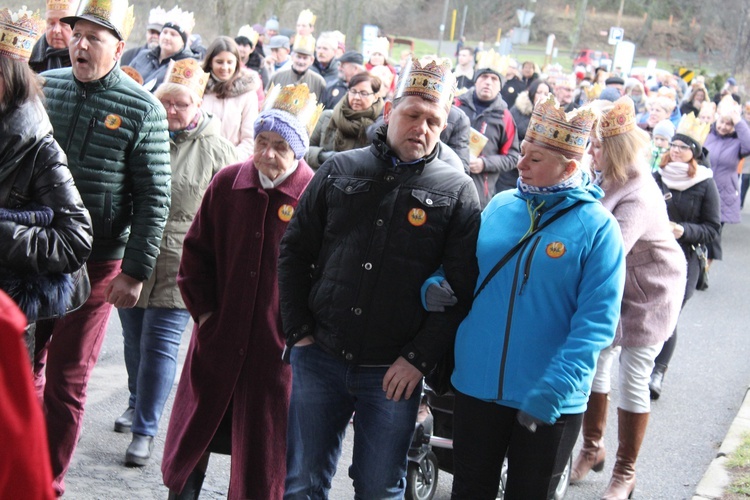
(702, 392)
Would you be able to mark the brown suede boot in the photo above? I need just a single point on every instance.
(592, 453)
(631, 428)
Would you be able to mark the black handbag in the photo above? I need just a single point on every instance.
(702, 253)
(439, 380)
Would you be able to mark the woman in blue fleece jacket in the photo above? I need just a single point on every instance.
(526, 353)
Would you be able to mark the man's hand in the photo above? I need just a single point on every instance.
(123, 291)
(401, 379)
(476, 165)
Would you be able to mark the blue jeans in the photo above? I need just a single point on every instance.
(325, 393)
(152, 340)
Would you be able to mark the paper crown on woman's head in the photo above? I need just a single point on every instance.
(188, 73)
(292, 112)
(551, 128)
(19, 32)
(248, 32)
(183, 19)
(115, 15)
(431, 79)
(306, 17)
(620, 119)
(692, 128)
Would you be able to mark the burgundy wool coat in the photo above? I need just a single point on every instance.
(229, 267)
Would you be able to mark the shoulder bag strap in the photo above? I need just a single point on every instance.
(504, 260)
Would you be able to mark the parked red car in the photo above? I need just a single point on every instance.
(592, 59)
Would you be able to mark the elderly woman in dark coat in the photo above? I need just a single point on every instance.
(233, 396)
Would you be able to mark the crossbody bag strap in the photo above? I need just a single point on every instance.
(504, 260)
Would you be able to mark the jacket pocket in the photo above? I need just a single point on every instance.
(87, 138)
(352, 186)
(431, 199)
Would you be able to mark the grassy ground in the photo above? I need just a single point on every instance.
(738, 466)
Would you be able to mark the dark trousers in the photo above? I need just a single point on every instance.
(484, 433)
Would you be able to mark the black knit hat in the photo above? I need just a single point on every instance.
(179, 30)
(696, 148)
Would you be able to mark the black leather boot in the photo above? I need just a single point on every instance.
(657, 378)
(192, 487)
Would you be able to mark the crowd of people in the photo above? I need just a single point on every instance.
(334, 224)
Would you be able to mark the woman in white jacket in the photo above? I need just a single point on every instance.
(231, 94)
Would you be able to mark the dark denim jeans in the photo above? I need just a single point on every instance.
(152, 340)
(325, 393)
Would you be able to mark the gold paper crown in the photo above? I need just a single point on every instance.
(298, 101)
(18, 32)
(304, 44)
(157, 15)
(551, 128)
(381, 46)
(618, 120)
(182, 18)
(592, 91)
(187, 72)
(492, 61)
(306, 17)
(116, 14)
(695, 129)
(727, 105)
(432, 80)
(248, 32)
(66, 5)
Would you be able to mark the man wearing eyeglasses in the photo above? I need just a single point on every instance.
(303, 57)
(115, 136)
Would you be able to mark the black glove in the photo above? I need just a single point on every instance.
(323, 156)
(437, 298)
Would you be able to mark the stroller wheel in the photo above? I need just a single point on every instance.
(421, 478)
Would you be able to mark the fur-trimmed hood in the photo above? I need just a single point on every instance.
(248, 81)
(523, 103)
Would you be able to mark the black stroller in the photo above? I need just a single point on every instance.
(432, 450)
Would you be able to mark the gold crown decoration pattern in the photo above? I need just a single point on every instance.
(304, 44)
(187, 72)
(430, 79)
(618, 120)
(182, 18)
(157, 15)
(19, 31)
(306, 17)
(64, 5)
(567, 134)
(694, 128)
(491, 60)
(298, 101)
(248, 32)
(593, 91)
(116, 13)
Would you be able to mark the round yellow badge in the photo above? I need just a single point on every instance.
(286, 212)
(556, 249)
(112, 122)
(417, 217)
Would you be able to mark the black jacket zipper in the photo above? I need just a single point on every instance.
(87, 138)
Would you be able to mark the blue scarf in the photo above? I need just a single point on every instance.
(572, 182)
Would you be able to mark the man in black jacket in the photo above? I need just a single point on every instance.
(51, 50)
(373, 224)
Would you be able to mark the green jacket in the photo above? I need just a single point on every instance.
(115, 136)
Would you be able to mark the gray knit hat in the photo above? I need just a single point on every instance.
(664, 128)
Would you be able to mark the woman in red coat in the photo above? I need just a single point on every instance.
(233, 395)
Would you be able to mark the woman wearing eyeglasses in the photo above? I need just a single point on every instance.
(345, 126)
(693, 208)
